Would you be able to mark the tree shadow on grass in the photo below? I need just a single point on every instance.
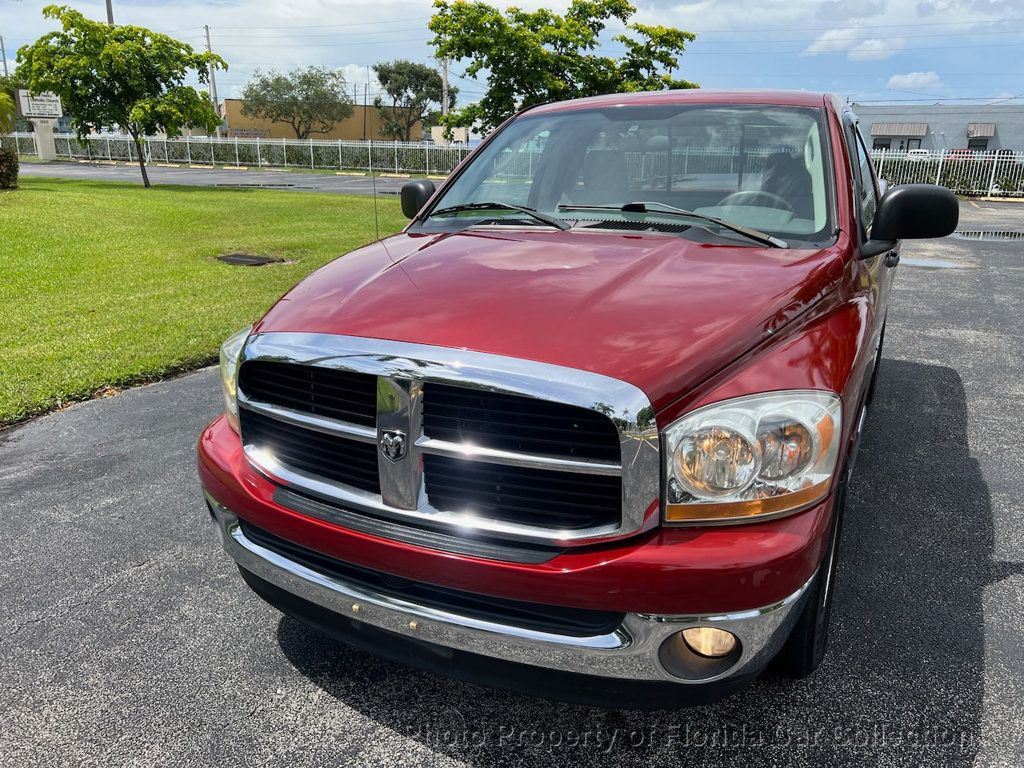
(903, 679)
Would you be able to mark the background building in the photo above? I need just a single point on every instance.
(364, 123)
(938, 127)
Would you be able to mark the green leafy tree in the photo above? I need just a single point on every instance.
(119, 77)
(7, 113)
(532, 57)
(11, 83)
(411, 89)
(310, 99)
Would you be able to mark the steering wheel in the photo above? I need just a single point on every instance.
(757, 197)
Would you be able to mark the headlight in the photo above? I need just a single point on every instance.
(229, 353)
(754, 456)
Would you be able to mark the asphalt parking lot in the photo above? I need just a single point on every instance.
(129, 639)
(288, 180)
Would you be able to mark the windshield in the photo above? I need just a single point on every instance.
(761, 167)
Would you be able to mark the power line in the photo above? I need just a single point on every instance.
(332, 26)
(332, 35)
(864, 27)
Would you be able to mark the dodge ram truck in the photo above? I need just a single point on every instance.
(584, 427)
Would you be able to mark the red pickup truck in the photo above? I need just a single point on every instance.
(584, 427)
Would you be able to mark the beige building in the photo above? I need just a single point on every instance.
(364, 123)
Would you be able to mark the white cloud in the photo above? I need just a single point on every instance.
(833, 40)
(875, 49)
(915, 81)
(857, 47)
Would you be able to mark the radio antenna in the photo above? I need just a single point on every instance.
(373, 181)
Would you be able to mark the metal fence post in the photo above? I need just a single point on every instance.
(339, 154)
(311, 166)
(109, 158)
(938, 173)
(881, 164)
(236, 150)
(426, 159)
(188, 149)
(284, 148)
(259, 157)
(992, 177)
(212, 160)
(369, 155)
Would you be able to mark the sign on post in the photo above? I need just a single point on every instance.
(41, 105)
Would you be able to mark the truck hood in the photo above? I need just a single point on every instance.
(661, 312)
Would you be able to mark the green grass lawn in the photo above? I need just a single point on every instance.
(107, 284)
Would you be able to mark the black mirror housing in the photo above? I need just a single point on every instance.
(915, 211)
(415, 195)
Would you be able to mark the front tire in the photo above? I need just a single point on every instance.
(878, 364)
(805, 648)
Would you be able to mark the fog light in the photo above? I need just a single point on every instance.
(709, 642)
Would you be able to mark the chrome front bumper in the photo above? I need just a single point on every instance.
(629, 652)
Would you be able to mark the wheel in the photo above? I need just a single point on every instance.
(805, 647)
(878, 364)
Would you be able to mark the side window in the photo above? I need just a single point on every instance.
(866, 189)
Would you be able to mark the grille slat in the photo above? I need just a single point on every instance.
(316, 444)
(540, 497)
(312, 389)
(458, 414)
(504, 423)
(333, 458)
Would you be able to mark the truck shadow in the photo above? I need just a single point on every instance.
(903, 677)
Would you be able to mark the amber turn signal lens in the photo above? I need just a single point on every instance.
(709, 641)
(770, 505)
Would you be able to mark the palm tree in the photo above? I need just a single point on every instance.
(7, 113)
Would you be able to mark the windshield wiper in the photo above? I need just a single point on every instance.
(490, 206)
(646, 207)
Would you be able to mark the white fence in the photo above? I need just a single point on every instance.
(993, 173)
(998, 173)
(381, 156)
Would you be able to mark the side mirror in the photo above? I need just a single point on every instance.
(415, 195)
(909, 212)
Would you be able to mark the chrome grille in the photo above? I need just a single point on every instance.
(514, 423)
(308, 450)
(488, 446)
(337, 394)
(538, 497)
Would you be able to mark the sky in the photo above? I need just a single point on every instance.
(868, 50)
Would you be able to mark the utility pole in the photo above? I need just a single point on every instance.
(110, 12)
(3, 55)
(366, 96)
(213, 78)
(444, 86)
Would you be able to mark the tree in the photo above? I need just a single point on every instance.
(411, 88)
(309, 99)
(11, 83)
(119, 77)
(7, 113)
(532, 57)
